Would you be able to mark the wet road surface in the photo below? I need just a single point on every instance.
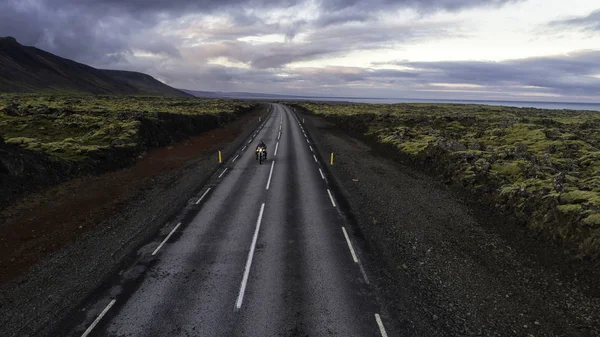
(266, 253)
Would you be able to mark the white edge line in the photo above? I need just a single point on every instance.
(240, 298)
(316, 161)
(165, 240)
(97, 320)
(322, 175)
(276, 148)
(381, 327)
(350, 245)
(270, 175)
(331, 197)
(236, 157)
(222, 173)
(203, 195)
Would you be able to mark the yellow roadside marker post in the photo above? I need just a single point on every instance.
(259, 119)
(220, 158)
(302, 120)
(331, 158)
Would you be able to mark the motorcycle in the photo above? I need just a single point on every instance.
(261, 154)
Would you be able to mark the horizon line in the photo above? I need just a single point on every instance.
(392, 98)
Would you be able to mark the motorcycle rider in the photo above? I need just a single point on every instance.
(261, 145)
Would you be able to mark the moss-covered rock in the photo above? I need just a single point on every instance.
(73, 128)
(50, 139)
(542, 166)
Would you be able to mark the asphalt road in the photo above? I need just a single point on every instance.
(265, 253)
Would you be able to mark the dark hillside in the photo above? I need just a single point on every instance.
(28, 70)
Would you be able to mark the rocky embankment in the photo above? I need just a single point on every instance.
(112, 141)
(539, 167)
(449, 266)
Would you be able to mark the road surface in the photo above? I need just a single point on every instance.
(266, 253)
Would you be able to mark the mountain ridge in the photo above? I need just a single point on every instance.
(26, 69)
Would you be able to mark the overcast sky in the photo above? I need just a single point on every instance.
(464, 49)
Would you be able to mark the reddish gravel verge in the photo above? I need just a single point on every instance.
(57, 246)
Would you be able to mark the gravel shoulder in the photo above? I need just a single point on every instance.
(445, 265)
(33, 303)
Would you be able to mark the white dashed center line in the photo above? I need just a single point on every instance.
(316, 161)
(244, 148)
(380, 323)
(270, 175)
(222, 173)
(311, 149)
(240, 298)
(276, 148)
(322, 175)
(234, 159)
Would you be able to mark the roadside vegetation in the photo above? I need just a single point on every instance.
(48, 139)
(540, 166)
(73, 128)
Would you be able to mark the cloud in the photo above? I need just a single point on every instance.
(556, 77)
(261, 45)
(99, 31)
(172, 7)
(343, 17)
(421, 5)
(80, 35)
(573, 74)
(223, 40)
(16, 19)
(589, 22)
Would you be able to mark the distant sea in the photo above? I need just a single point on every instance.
(520, 104)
